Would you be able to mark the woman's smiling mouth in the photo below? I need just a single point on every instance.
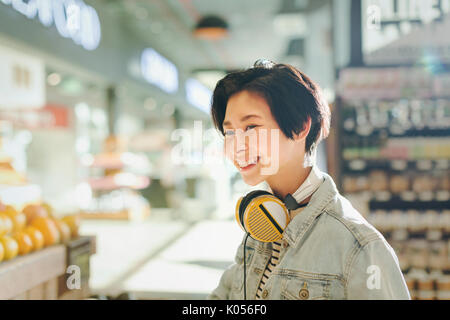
(245, 166)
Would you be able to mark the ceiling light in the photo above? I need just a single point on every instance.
(211, 27)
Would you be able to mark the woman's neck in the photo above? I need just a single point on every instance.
(288, 179)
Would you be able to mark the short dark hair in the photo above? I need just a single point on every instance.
(291, 95)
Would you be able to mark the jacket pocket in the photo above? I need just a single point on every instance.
(304, 289)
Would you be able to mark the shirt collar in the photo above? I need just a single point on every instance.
(308, 187)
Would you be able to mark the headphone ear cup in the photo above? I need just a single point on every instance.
(263, 216)
(237, 213)
(246, 200)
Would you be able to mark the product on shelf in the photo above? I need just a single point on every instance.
(18, 218)
(73, 222)
(24, 242)
(399, 183)
(36, 237)
(10, 246)
(49, 230)
(33, 228)
(34, 211)
(396, 156)
(378, 181)
(64, 230)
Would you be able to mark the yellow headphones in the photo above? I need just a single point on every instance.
(262, 215)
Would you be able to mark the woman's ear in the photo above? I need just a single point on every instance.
(305, 131)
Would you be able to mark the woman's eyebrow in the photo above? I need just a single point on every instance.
(249, 116)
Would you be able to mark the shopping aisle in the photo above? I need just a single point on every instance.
(122, 246)
(191, 267)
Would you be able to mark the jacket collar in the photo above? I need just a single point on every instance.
(301, 223)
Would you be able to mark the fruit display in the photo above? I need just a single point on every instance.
(32, 229)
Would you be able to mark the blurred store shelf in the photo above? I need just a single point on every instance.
(191, 267)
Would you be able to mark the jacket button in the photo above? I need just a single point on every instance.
(304, 293)
(265, 294)
(285, 244)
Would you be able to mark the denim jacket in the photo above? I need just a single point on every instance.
(329, 251)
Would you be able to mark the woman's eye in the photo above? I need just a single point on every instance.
(228, 132)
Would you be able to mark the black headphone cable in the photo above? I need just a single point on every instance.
(245, 268)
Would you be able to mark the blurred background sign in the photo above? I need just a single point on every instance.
(22, 80)
(72, 19)
(405, 31)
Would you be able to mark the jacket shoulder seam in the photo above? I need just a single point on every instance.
(348, 266)
(362, 240)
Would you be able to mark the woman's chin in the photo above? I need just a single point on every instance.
(252, 180)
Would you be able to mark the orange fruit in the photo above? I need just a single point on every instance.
(73, 221)
(2, 205)
(2, 227)
(11, 247)
(64, 230)
(33, 211)
(18, 218)
(7, 223)
(2, 252)
(24, 241)
(49, 230)
(37, 238)
(48, 208)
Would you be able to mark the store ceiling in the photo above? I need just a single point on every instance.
(256, 30)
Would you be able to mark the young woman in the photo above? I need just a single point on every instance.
(325, 248)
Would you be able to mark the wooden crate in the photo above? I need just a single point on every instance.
(38, 275)
(33, 276)
(78, 252)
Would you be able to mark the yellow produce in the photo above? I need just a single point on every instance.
(64, 230)
(37, 238)
(2, 227)
(11, 247)
(48, 208)
(33, 211)
(73, 221)
(24, 241)
(2, 252)
(7, 223)
(18, 218)
(49, 230)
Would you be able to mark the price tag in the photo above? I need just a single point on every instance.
(382, 196)
(408, 196)
(399, 234)
(424, 165)
(442, 195)
(442, 164)
(357, 164)
(399, 164)
(426, 196)
(434, 235)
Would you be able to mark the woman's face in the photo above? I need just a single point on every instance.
(253, 140)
